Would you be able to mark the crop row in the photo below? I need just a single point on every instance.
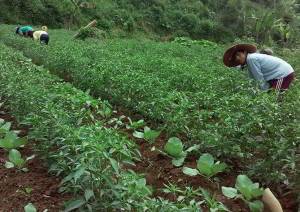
(184, 88)
(73, 140)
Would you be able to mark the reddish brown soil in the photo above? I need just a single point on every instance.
(158, 169)
(14, 183)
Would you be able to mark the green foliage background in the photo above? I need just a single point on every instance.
(220, 21)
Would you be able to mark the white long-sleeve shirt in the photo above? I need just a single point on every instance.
(264, 67)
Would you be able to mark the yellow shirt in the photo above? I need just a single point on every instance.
(37, 34)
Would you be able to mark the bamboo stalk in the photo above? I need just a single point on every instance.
(94, 22)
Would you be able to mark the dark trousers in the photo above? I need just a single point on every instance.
(283, 83)
(45, 38)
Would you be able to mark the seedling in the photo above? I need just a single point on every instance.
(11, 140)
(30, 208)
(189, 194)
(135, 125)
(171, 188)
(118, 121)
(248, 190)
(206, 166)
(213, 203)
(148, 134)
(174, 149)
(26, 191)
(16, 160)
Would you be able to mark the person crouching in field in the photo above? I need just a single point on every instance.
(42, 36)
(270, 71)
(23, 31)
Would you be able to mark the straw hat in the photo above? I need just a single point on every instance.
(229, 61)
(45, 28)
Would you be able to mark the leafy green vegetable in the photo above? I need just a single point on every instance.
(248, 190)
(206, 166)
(174, 147)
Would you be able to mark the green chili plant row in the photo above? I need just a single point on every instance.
(185, 89)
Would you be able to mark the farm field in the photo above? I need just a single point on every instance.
(134, 125)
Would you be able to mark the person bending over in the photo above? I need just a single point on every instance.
(42, 36)
(22, 31)
(268, 70)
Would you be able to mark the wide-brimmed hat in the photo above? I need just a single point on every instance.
(228, 55)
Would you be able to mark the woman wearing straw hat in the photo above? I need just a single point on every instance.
(261, 67)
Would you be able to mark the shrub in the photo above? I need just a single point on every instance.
(90, 32)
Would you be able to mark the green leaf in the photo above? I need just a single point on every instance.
(6, 126)
(243, 184)
(135, 125)
(192, 148)
(15, 157)
(115, 165)
(3, 132)
(151, 135)
(256, 206)
(130, 162)
(207, 158)
(206, 195)
(229, 192)
(204, 168)
(138, 134)
(11, 141)
(19, 142)
(174, 147)
(11, 136)
(141, 182)
(66, 179)
(243, 181)
(30, 157)
(178, 161)
(9, 165)
(257, 192)
(74, 205)
(254, 185)
(2, 121)
(180, 198)
(246, 192)
(190, 172)
(88, 193)
(216, 168)
(24, 170)
(146, 129)
(79, 173)
(30, 208)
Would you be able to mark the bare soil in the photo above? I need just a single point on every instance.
(18, 188)
(158, 169)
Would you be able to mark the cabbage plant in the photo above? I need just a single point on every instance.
(174, 148)
(206, 165)
(248, 191)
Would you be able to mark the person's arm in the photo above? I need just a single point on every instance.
(256, 73)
